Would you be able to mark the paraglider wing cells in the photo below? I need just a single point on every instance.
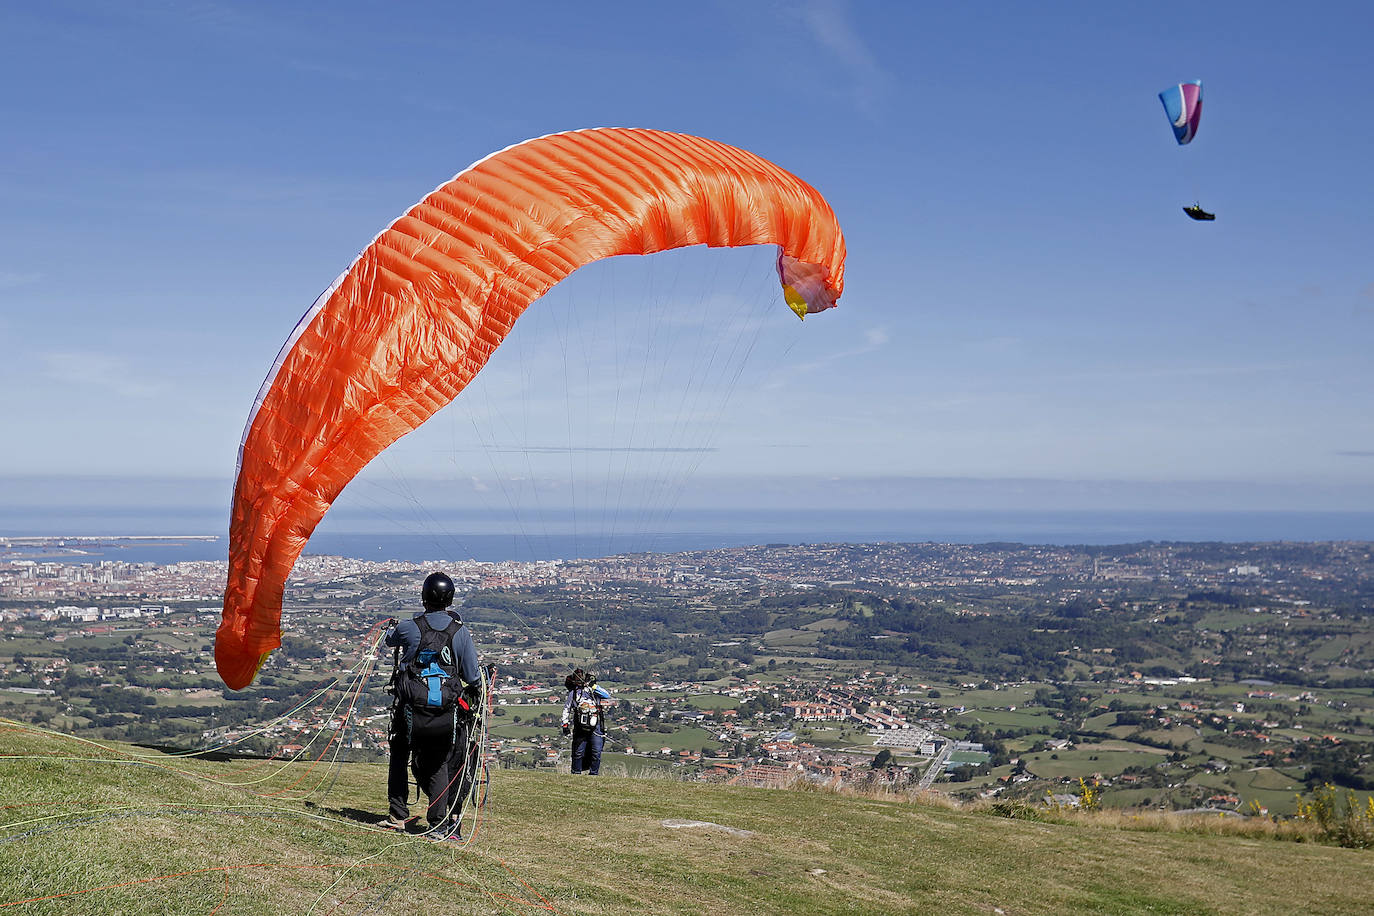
(416, 316)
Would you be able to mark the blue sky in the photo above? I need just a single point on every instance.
(1027, 309)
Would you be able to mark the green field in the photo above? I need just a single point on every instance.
(85, 833)
(789, 638)
(985, 699)
(686, 738)
(826, 623)
(522, 732)
(1036, 719)
(834, 735)
(530, 710)
(1269, 788)
(712, 701)
(1224, 621)
(1084, 759)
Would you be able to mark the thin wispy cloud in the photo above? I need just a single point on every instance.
(564, 449)
(829, 23)
(1002, 345)
(1356, 453)
(198, 16)
(203, 186)
(1209, 371)
(874, 339)
(1364, 301)
(10, 279)
(332, 71)
(1168, 372)
(210, 15)
(98, 370)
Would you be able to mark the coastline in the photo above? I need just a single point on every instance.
(139, 536)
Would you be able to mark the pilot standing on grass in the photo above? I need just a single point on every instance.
(431, 714)
(584, 717)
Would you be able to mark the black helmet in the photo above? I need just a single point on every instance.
(438, 592)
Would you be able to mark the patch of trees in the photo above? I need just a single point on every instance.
(298, 647)
(988, 645)
(112, 700)
(1348, 764)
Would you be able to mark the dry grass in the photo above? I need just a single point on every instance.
(1296, 830)
(927, 797)
(158, 837)
(1199, 824)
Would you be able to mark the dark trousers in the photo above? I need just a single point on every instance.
(432, 774)
(437, 764)
(586, 751)
(398, 768)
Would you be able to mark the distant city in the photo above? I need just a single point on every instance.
(1170, 674)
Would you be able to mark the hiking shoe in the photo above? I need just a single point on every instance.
(449, 832)
(395, 823)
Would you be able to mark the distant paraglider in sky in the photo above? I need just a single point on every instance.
(1183, 106)
(402, 331)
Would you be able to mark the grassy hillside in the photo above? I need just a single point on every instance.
(88, 830)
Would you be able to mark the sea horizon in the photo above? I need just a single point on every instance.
(496, 537)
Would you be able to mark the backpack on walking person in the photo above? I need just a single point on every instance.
(428, 687)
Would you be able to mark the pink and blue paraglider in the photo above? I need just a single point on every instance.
(1183, 105)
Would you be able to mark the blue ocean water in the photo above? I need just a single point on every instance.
(491, 537)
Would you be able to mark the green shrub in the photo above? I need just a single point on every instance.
(1346, 822)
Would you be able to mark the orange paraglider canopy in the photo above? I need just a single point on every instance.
(416, 316)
